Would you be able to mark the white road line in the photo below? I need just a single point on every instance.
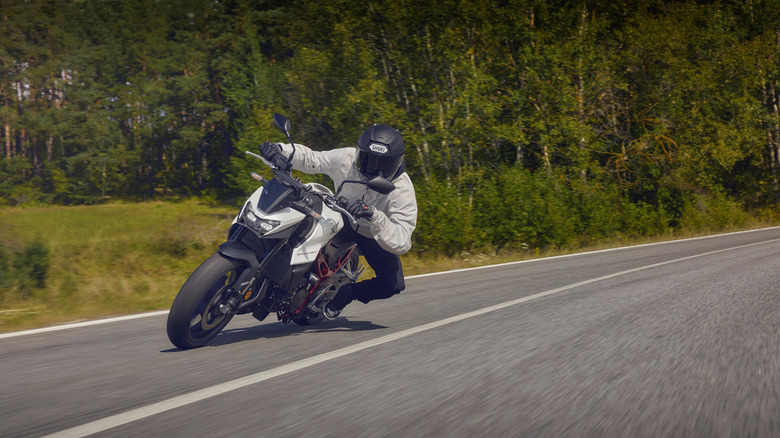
(432, 274)
(222, 388)
(81, 324)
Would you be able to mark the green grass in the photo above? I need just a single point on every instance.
(108, 259)
(118, 259)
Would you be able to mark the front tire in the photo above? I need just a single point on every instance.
(194, 319)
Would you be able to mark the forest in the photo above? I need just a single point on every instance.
(527, 123)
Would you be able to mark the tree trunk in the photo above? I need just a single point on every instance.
(8, 143)
(773, 134)
(204, 162)
(580, 87)
(49, 146)
(24, 143)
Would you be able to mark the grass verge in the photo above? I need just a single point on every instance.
(119, 259)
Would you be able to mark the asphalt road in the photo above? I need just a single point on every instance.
(675, 339)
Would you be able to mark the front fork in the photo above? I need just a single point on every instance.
(241, 296)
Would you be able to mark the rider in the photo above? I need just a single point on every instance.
(384, 222)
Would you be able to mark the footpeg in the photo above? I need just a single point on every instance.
(329, 314)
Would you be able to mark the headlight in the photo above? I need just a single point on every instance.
(256, 223)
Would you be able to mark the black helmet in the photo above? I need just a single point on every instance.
(380, 150)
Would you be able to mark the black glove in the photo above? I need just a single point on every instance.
(273, 153)
(359, 210)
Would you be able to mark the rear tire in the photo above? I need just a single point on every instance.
(194, 319)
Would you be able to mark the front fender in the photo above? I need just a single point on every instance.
(238, 251)
(234, 249)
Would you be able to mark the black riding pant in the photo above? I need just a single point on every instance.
(389, 278)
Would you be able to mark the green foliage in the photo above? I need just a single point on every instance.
(31, 267)
(102, 259)
(6, 280)
(527, 123)
(24, 270)
(713, 212)
(517, 209)
(445, 223)
(525, 209)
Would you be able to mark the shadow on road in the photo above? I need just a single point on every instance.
(278, 330)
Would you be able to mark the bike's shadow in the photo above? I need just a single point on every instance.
(279, 330)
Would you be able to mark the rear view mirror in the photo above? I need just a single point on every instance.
(282, 123)
(381, 185)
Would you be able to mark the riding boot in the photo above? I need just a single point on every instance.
(343, 297)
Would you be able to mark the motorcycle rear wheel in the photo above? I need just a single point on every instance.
(194, 319)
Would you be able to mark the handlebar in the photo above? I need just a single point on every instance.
(285, 176)
(267, 163)
(335, 203)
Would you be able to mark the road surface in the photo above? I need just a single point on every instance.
(672, 339)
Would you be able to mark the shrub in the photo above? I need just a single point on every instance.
(5, 269)
(444, 220)
(31, 267)
(520, 208)
(713, 212)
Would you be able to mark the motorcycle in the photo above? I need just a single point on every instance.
(288, 251)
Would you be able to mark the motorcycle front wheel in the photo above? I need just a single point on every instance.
(195, 319)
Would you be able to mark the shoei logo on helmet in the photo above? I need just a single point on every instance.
(378, 148)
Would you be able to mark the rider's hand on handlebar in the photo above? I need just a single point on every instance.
(359, 210)
(273, 153)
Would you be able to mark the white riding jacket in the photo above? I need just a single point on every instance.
(395, 216)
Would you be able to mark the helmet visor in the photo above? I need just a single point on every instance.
(371, 165)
